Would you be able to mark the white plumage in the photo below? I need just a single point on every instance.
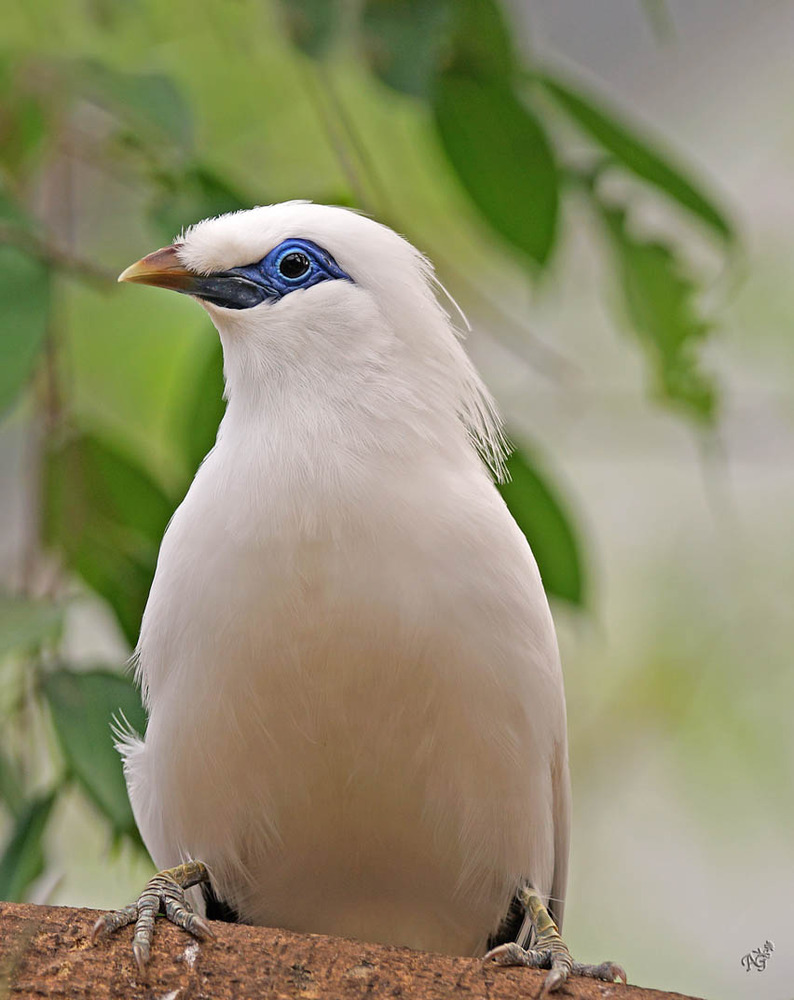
(356, 709)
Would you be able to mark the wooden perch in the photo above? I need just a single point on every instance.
(45, 951)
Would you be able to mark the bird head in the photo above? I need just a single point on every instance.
(325, 301)
(251, 258)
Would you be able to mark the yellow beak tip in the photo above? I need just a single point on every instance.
(133, 272)
(162, 269)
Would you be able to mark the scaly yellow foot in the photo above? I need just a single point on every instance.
(550, 951)
(165, 893)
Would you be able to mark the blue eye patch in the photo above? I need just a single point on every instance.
(293, 264)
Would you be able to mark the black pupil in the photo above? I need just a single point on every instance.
(294, 265)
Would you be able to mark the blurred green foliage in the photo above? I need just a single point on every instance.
(121, 123)
(24, 294)
(81, 705)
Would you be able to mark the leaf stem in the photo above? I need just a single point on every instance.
(336, 140)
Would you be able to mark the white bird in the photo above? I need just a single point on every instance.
(356, 709)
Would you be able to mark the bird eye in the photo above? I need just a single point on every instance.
(294, 265)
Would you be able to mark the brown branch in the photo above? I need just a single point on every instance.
(47, 953)
(30, 243)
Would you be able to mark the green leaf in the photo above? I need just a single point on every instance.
(542, 517)
(107, 516)
(196, 194)
(12, 214)
(205, 408)
(22, 861)
(503, 158)
(25, 623)
(83, 707)
(150, 104)
(11, 787)
(659, 300)
(408, 43)
(24, 117)
(403, 40)
(311, 24)
(24, 312)
(637, 155)
(481, 43)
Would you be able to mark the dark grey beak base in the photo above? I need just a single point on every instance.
(226, 289)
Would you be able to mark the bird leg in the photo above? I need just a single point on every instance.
(549, 951)
(165, 893)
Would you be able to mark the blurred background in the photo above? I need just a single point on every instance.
(606, 191)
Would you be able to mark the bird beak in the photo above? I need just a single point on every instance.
(229, 289)
(163, 269)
